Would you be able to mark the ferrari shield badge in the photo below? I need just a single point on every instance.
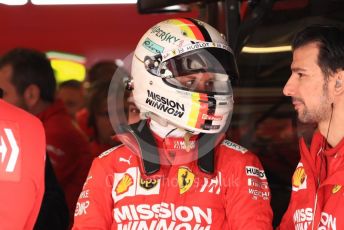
(185, 179)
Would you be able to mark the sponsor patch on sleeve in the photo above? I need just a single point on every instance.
(107, 152)
(259, 194)
(84, 199)
(234, 146)
(257, 184)
(258, 189)
(254, 171)
(81, 208)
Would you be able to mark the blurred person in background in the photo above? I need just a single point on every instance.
(100, 71)
(103, 134)
(98, 118)
(94, 119)
(22, 160)
(28, 81)
(132, 111)
(72, 94)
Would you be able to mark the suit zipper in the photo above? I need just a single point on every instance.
(315, 203)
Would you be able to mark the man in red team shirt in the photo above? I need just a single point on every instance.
(317, 92)
(176, 170)
(28, 81)
(22, 156)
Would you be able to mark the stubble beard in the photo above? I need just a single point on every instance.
(320, 113)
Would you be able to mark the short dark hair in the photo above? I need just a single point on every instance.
(31, 67)
(98, 93)
(330, 39)
(71, 84)
(102, 70)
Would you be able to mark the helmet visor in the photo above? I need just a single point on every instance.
(203, 70)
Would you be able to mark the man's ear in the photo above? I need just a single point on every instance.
(339, 84)
(32, 95)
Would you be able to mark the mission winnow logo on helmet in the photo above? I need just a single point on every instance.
(164, 104)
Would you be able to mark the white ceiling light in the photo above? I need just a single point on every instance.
(274, 49)
(13, 2)
(176, 8)
(79, 2)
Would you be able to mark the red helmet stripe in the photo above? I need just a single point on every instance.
(193, 27)
(202, 110)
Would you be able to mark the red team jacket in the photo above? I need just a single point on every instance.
(68, 150)
(22, 161)
(317, 200)
(117, 196)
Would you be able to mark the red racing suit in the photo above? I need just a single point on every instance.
(317, 199)
(116, 195)
(22, 162)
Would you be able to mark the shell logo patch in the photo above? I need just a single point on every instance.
(124, 184)
(299, 180)
(185, 179)
(299, 177)
(129, 183)
(336, 188)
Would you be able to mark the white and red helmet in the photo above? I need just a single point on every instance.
(176, 48)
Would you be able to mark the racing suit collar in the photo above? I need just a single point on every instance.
(176, 146)
(320, 140)
(168, 151)
(176, 150)
(332, 158)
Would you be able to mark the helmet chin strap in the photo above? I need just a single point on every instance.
(161, 121)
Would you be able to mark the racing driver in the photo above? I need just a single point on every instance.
(175, 169)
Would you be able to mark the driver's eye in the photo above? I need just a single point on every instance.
(134, 109)
(189, 82)
(209, 83)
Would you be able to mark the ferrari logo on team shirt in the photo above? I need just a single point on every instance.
(299, 180)
(124, 184)
(336, 188)
(185, 179)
